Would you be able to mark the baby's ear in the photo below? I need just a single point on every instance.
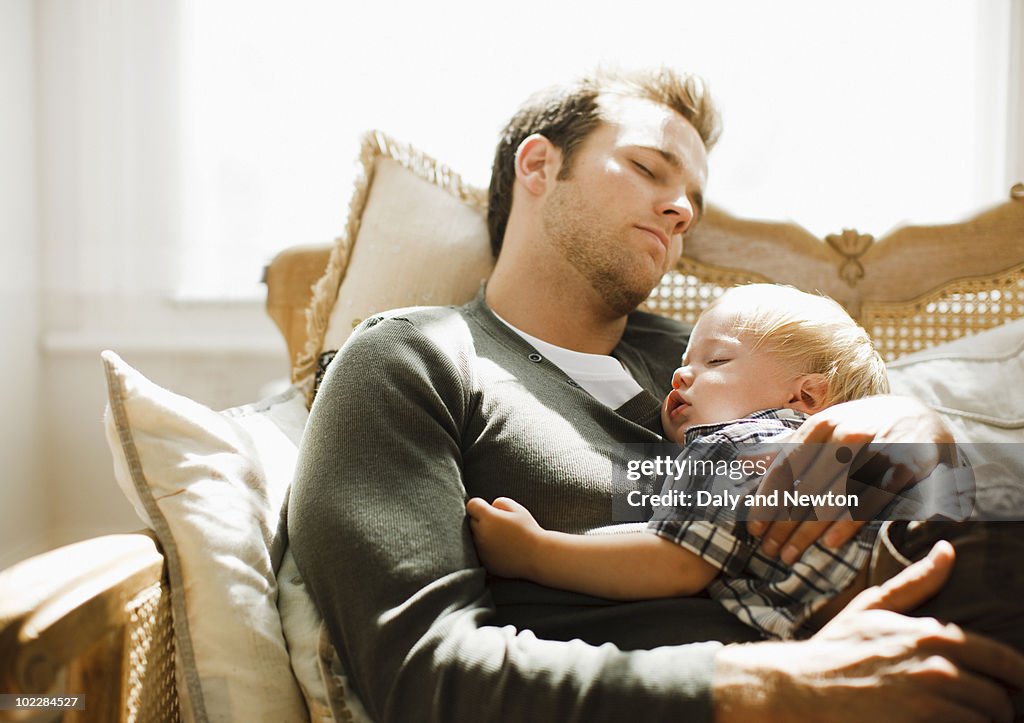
(810, 394)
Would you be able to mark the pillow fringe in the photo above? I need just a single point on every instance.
(375, 144)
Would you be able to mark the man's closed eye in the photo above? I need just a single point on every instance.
(644, 169)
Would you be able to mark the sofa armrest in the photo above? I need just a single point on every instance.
(290, 277)
(98, 610)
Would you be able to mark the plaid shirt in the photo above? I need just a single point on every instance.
(768, 595)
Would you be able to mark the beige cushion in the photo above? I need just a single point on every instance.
(313, 657)
(416, 235)
(977, 384)
(212, 485)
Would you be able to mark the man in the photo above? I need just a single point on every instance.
(529, 392)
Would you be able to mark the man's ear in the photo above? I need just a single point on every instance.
(809, 394)
(537, 163)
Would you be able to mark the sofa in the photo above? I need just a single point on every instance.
(202, 615)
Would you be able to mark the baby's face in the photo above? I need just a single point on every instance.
(722, 378)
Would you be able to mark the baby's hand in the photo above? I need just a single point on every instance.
(506, 535)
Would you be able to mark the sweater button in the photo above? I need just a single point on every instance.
(535, 357)
(573, 382)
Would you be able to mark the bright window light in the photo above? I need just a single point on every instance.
(866, 114)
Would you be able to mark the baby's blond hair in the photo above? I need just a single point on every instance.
(814, 334)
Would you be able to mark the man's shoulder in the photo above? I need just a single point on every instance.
(442, 325)
(425, 334)
(409, 343)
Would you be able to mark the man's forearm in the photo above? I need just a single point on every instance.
(619, 567)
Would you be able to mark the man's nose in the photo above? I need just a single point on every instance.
(678, 209)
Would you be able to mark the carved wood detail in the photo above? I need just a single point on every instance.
(851, 245)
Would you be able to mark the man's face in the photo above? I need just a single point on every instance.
(636, 184)
(723, 377)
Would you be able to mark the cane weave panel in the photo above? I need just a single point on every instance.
(151, 693)
(958, 309)
(685, 293)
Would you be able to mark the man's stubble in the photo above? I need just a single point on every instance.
(596, 249)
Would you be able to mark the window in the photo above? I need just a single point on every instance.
(862, 114)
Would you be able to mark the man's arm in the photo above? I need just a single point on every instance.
(870, 663)
(635, 566)
(379, 531)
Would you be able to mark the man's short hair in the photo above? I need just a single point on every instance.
(565, 115)
(814, 334)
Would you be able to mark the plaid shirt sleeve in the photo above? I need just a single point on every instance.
(712, 531)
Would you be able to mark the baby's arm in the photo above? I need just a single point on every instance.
(634, 566)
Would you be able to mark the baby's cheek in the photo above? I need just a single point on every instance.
(669, 430)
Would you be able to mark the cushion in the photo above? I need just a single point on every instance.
(314, 659)
(212, 486)
(410, 219)
(977, 384)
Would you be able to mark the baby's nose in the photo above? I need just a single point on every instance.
(682, 377)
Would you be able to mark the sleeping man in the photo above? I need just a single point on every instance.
(529, 392)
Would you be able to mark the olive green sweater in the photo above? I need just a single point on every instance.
(417, 413)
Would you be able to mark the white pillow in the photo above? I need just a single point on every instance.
(977, 384)
(212, 485)
(314, 659)
(416, 235)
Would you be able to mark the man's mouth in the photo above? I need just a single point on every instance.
(657, 234)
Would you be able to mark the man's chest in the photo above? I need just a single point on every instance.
(546, 443)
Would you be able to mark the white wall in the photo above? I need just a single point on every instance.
(1015, 100)
(97, 257)
(22, 498)
(85, 499)
(81, 187)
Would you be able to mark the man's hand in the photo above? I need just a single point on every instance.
(870, 663)
(886, 423)
(506, 536)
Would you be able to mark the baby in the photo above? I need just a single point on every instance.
(759, 360)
